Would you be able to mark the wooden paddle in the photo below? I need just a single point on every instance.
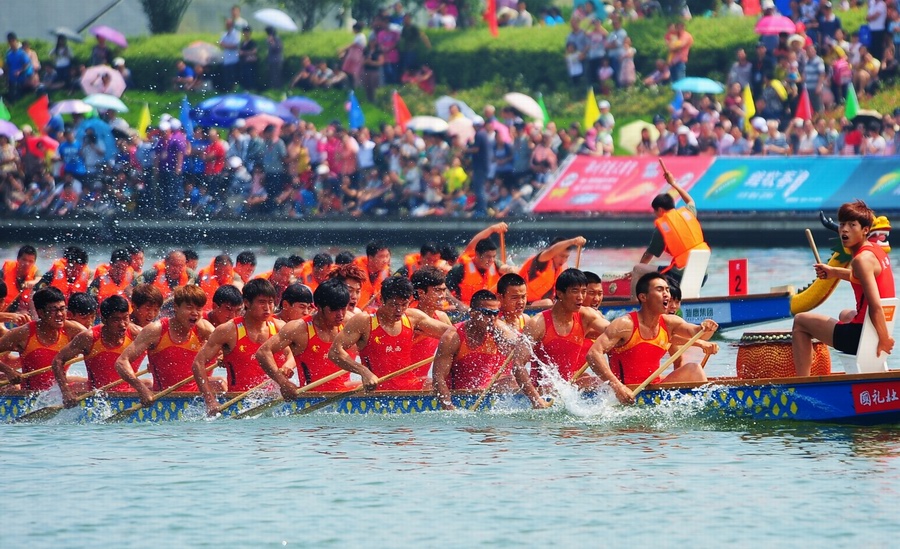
(669, 362)
(39, 371)
(812, 245)
(331, 400)
(48, 412)
(494, 379)
(128, 411)
(584, 368)
(252, 412)
(578, 258)
(503, 248)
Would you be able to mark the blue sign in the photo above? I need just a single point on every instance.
(876, 181)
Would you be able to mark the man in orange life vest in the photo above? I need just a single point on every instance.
(114, 278)
(296, 302)
(429, 292)
(168, 274)
(191, 260)
(146, 302)
(377, 266)
(238, 340)
(244, 265)
(171, 345)
(219, 272)
(227, 304)
(69, 274)
(540, 271)
(385, 338)
(637, 341)
(513, 295)
(429, 255)
(309, 339)
(479, 271)
(677, 230)
(19, 275)
(38, 341)
(470, 354)
(136, 261)
(100, 346)
(871, 278)
(315, 271)
(560, 331)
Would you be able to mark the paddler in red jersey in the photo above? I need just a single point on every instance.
(238, 340)
(513, 295)
(82, 308)
(227, 304)
(385, 338)
(471, 353)
(309, 340)
(38, 341)
(20, 275)
(429, 293)
(100, 346)
(637, 341)
(560, 331)
(296, 303)
(593, 298)
(871, 278)
(540, 271)
(353, 277)
(171, 345)
(146, 302)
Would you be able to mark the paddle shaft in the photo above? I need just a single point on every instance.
(669, 362)
(494, 379)
(39, 371)
(812, 245)
(128, 411)
(578, 258)
(41, 413)
(503, 248)
(276, 401)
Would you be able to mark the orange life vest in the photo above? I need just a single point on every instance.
(62, 283)
(369, 288)
(162, 283)
(209, 282)
(107, 286)
(681, 233)
(10, 268)
(473, 280)
(539, 283)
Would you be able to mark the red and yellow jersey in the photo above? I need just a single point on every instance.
(100, 361)
(634, 361)
(313, 363)
(14, 284)
(37, 355)
(474, 365)
(170, 361)
(244, 371)
(559, 352)
(384, 354)
(884, 281)
(424, 346)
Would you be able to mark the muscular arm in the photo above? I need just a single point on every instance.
(559, 248)
(593, 321)
(145, 340)
(443, 362)
(356, 332)
(80, 345)
(495, 228)
(431, 327)
(221, 339)
(534, 332)
(13, 341)
(617, 332)
(293, 334)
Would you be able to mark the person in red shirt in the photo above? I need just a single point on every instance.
(146, 302)
(227, 304)
(430, 292)
(636, 342)
(353, 277)
(513, 295)
(244, 266)
(296, 302)
(309, 339)
(238, 340)
(385, 338)
(82, 308)
(215, 163)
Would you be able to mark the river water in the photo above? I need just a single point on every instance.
(583, 474)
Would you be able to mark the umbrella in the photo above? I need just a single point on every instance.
(260, 121)
(38, 146)
(299, 104)
(867, 116)
(223, 110)
(502, 131)
(68, 33)
(103, 132)
(775, 24)
(71, 106)
(10, 130)
(104, 102)
(525, 105)
(110, 34)
(442, 107)
(698, 85)
(201, 53)
(462, 129)
(92, 81)
(630, 135)
(277, 19)
(427, 124)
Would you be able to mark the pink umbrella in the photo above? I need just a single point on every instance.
(10, 130)
(110, 34)
(260, 121)
(502, 131)
(775, 24)
(93, 81)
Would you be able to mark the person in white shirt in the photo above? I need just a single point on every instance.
(877, 20)
(230, 42)
(874, 143)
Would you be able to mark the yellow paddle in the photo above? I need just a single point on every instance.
(41, 370)
(668, 363)
(128, 411)
(503, 248)
(48, 412)
(494, 379)
(578, 257)
(252, 412)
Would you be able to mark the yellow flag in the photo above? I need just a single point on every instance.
(749, 106)
(144, 121)
(591, 111)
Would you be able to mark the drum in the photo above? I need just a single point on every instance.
(769, 354)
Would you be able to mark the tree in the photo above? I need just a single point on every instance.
(164, 15)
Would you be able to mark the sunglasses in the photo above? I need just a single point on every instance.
(486, 312)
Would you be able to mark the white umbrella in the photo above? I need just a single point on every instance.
(71, 106)
(92, 81)
(276, 18)
(68, 33)
(630, 134)
(524, 104)
(442, 107)
(462, 129)
(427, 124)
(201, 53)
(104, 102)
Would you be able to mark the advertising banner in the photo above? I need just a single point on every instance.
(876, 181)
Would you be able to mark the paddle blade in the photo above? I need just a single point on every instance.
(41, 414)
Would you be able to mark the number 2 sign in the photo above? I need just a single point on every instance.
(737, 277)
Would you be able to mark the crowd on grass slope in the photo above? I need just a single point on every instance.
(300, 170)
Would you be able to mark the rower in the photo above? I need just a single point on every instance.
(475, 272)
(82, 308)
(872, 280)
(218, 273)
(296, 302)
(169, 274)
(69, 274)
(113, 278)
(385, 338)
(227, 304)
(637, 341)
(100, 346)
(20, 275)
(171, 345)
(38, 341)
(136, 258)
(560, 331)
(315, 271)
(469, 355)
(238, 340)
(280, 276)
(309, 339)
(377, 266)
(146, 302)
(429, 255)
(513, 295)
(429, 291)
(593, 297)
(353, 277)
(540, 271)
(244, 265)
(191, 260)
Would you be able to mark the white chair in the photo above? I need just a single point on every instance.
(694, 272)
(866, 360)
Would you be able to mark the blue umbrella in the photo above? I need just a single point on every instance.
(224, 110)
(698, 85)
(103, 133)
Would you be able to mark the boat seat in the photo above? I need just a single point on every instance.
(866, 361)
(694, 273)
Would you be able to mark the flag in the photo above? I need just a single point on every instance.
(184, 116)
(401, 112)
(677, 102)
(591, 111)
(851, 107)
(144, 121)
(749, 106)
(540, 102)
(356, 117)
(39, 111)
(490, 17)
(4, 112)
(804, 107)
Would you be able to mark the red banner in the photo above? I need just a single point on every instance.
(876, 397)
(615, 184)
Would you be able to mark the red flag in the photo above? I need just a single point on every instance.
(804, 107)
(401, 112)
(490, 16)
(39, 111)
